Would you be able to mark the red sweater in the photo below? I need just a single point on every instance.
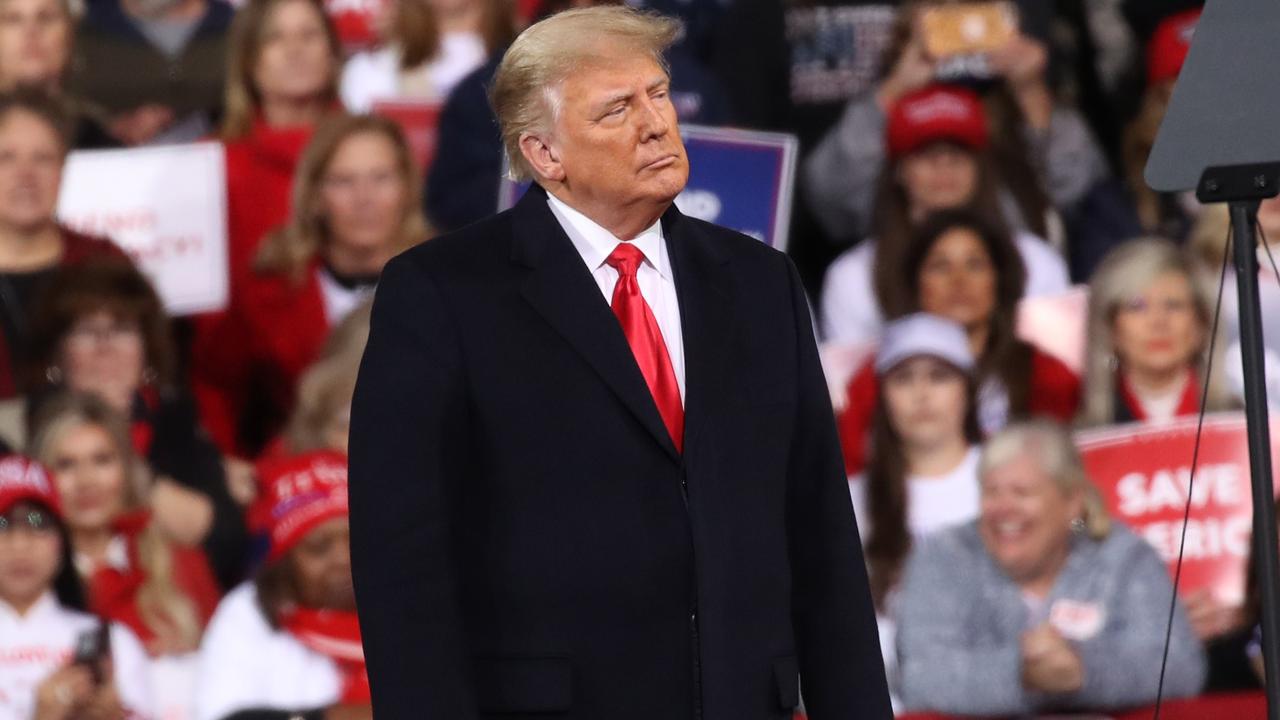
(1055, 393)
(260, 169)
(273, 330)
(113, 593)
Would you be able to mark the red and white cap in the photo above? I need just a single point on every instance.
(1167, 49)
(22, 478)
(300, 493)
(924, 334)
(938, 112)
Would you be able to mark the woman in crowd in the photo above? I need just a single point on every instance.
(35, 52)
(43, 620)
(963, 268)
(1043, 604)
(922, 474)
(1047, 157)
(282, 79)
(135, 573)
(355, 204)
(938, 159)
(101, 329)
(287, 645)
(432, 45)
(33, 245)
(1150, 315)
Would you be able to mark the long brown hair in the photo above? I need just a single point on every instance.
(888, 537)
(414, 27)
(1005, 121)
(1005, 356)
(892, 223)
(241, 99)
(1138, 139)
(164, 608)
(291, 248)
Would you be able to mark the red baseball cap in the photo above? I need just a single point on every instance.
(22, 478)
(938, 112)
(298, 494)
(1167, 49)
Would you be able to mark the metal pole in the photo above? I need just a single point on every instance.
(1243, 227)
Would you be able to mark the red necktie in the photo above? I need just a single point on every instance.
(645, 338)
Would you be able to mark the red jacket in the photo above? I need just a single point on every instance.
(273, 330)
(76, 248)
(113, 593)
(260, 170)
(1055, 393)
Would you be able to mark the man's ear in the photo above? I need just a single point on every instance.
(543, 158)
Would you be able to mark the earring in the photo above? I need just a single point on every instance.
(150, 375)
(1113, 363)
(53, 374)
(1077, 526)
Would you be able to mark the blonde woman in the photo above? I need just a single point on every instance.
(322, 416)
(282, 74)
(1043, 604)
(1150, 313)
(134, 572)
(432, 45)
(355, 200)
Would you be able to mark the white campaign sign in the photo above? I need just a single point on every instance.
(166, 206)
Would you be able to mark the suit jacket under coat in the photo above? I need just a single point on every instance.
(525, 537)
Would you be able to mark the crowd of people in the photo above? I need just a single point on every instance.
(173, 532)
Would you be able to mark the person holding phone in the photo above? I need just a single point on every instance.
(57, 662)
(1047, 157)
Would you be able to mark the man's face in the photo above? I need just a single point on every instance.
(616, 135)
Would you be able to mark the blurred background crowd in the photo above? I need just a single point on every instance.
(184, 478)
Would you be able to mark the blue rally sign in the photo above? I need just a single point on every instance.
(738, 179)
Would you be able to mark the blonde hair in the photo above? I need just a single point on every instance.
(241, 100)
(526, 91)
(291, 248)
(328, 384)
(163, 607)
(1121, 276)
(1050, 446)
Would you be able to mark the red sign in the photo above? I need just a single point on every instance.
(1143, 472)
(420, 122)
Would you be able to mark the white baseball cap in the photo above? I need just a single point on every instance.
(924, 334)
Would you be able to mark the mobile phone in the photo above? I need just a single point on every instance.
(93, 647)
(968, 28)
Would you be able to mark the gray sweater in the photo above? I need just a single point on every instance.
(961, 619)
(841, 173)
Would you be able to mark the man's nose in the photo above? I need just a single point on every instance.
(655, 125)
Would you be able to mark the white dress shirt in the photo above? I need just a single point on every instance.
(657, 284)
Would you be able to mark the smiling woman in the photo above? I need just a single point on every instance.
(1042, 605)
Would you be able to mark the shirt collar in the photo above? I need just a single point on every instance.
(44, 606)
(595, 244)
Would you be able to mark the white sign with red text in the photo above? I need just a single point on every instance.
(166, 206)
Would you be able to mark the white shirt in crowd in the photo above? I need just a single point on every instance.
(657, 284)
(376, 75)
(245, 664)
(933, 504)
(851, 314)
(41, 642)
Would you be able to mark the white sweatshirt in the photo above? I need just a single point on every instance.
(244, 664)
(36, 645)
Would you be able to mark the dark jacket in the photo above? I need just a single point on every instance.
(525, 537)
(117, 67)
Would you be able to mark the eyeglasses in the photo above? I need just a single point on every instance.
(37, 521)
(116, 333)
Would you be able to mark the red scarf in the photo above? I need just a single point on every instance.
(336, 635)
(1188, 404)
